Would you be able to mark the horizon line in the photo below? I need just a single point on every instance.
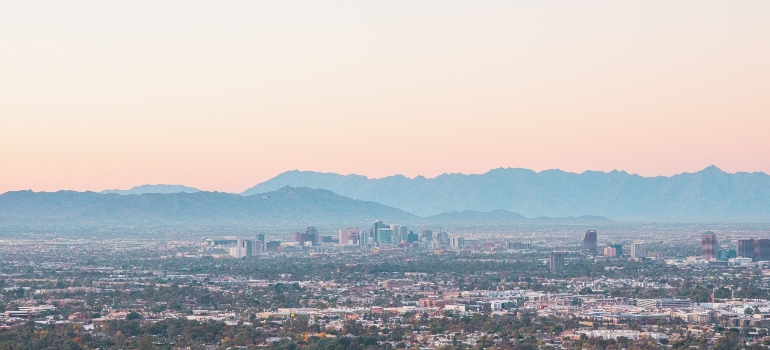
(404, 176)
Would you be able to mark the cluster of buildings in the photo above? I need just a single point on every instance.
(742, 252)
(638, 250)
(352, 239)
(394, 235)
(237, 247)
(379, 236)
(753, 249)
(590, 246)
(600, 305)
(382, 235)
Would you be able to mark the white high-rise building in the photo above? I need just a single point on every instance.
(400, 233)
(396, 238)
(638, 250)
(557, 262)
(457, 243)
(245, 248)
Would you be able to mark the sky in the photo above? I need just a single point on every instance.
(222, 95)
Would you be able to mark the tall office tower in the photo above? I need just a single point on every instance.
(261, 239)
(396, 233)
(378, 225)
(402, 235)
(762, 249)
(709, 246)
(412, 237)
(312, 235)
(457, 243)
(426, 235)
(746, 248)
(366, 238)
(349, 236)
(618, 249)
(557, 261)
(638, 250)
(385, 237)
(309, 236)
(442, 238)
(589, 242)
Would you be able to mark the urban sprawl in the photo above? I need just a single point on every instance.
(387, 287)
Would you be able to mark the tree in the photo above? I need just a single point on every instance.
(146, 343)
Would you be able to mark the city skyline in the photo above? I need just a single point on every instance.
(433, 175)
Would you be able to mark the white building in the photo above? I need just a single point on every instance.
(740, 261)
(664, 303)
(615, 334)
(457, 243)
(245, 248)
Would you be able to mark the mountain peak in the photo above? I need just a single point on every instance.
(712, 169)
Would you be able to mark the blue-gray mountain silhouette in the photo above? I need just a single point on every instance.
(286, 207)
(154, 189)
(710, 194)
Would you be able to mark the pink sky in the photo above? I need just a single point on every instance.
(222, 96)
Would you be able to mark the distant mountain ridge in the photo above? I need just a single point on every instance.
(154, 189)
(710, 194)
(286, 207)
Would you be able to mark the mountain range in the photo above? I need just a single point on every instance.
(707, 195)
(154, 189)
(498, 197)
(286, 207)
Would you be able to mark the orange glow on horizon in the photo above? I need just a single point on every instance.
(222, 96)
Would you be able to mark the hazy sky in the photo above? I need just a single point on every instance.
(222, 95)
